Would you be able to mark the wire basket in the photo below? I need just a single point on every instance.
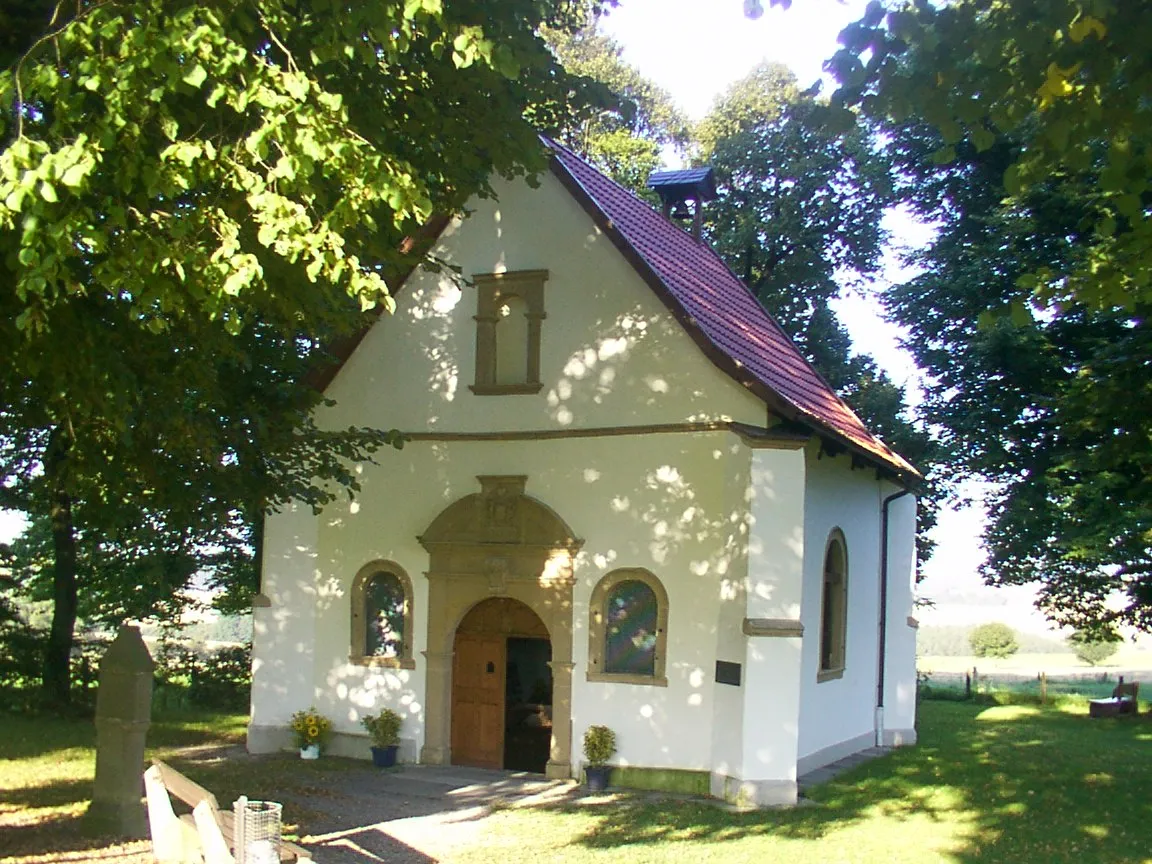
(257, 832)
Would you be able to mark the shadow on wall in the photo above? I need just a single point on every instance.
(639, 360)
(636, 361)
(675, 511)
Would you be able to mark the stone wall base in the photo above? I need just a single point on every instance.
(835, 752)
(899, 737)
(754, 793)
(275, 739)
(680, 781)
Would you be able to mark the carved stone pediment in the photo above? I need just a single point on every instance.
(499, 514)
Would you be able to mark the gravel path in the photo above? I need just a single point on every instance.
(407, 815)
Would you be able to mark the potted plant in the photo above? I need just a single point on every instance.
(599, 745)
(385, 731)
(310, 728)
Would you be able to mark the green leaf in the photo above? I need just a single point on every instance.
(505, 62)
(196, 76)
(1012, 179)
(15, 199)
(982, 139)
(944, 155)
(75, 175)
(47, 192)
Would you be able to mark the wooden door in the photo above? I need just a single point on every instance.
(478, 701)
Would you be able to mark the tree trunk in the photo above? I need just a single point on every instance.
(57, 680)
(258, 544)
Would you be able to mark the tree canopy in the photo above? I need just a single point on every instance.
(799, 220)
(1020, 131)
(623, 132)
(1048, 408)
(1067, 80)
(196, 198)
(994, 640)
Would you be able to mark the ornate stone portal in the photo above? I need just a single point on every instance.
(498, 543)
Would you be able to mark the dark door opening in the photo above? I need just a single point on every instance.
(527, 704)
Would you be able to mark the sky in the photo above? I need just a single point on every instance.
(695, 49)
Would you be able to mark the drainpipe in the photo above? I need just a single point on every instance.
(883, 641)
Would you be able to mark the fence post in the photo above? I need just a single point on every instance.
(967, 685)
(1043, 688)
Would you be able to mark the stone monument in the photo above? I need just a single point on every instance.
(123, 712)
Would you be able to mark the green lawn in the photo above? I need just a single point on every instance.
(991, 784)
(1001, 783)
(47, 765)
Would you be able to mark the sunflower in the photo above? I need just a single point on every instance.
(313, 732)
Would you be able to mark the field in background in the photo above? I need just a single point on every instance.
(1129, 659)
(1020, 675)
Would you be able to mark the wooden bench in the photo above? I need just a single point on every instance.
(204, 836)
(1124, 700)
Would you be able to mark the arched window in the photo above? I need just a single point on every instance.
(834, 608)
(628, 629)
(382, 616)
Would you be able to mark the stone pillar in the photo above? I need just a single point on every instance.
(559, 765)
(437, 748)
(123, 711)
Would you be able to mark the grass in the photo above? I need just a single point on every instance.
(988, 783)
(998, 784)
(47, 765)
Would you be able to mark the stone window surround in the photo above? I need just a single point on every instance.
(840, 625)
(597, 635)
(491, 288)
(358, 651)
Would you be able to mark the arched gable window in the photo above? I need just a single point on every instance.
(509, 317)
(834, 608)
(628, 629)
(382, 616)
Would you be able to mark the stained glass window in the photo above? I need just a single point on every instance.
(384, 616)
(630, 629)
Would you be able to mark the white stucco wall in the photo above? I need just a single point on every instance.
(655, 501)
(611, 352)
(284, 633)
(728, 700)
(612, 356)
(899, 720)
(838, 715)
(776, 551)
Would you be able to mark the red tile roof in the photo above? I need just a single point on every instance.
(720, 312)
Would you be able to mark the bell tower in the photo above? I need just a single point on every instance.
(677, 188)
